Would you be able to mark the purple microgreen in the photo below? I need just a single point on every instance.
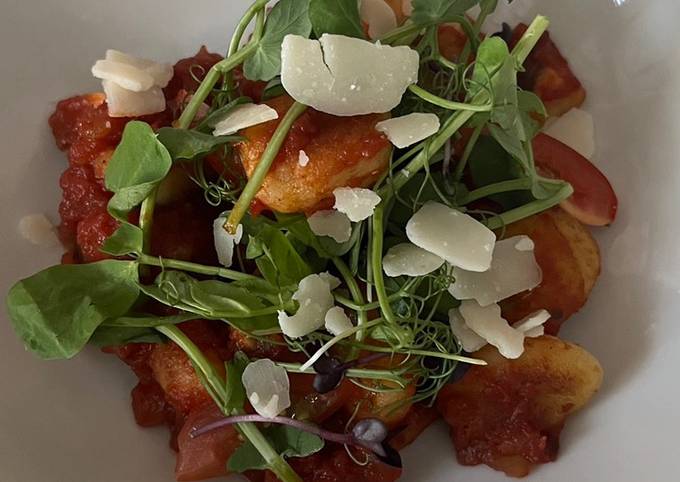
(330, 370)
(369, 433)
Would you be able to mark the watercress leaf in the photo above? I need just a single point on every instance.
(532, 112)
(287, 17)
(147, 321)
(125, 240)
(325, 247)
(212, 299)
(218, 115)
(429, 12)
(511, 144)
(274, 88)
(236, 393)
(138, 164)
(186, 144)
(288, 441)
(106, 336)
(56, 311)
(279, 261)
(490, 164)
(266, 291)
(340, 17)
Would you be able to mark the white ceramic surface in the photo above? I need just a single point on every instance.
(71, 421)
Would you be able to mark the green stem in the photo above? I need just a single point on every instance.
(257, 8)
(530, 38)
(530, 209)
(366, 373)
(211, 78)
(447, 104)
(257, 178)
(460, 167)
(225, 273)
(351, 282)
(521, 184)
(405, 31)
(275, 462)
(450, 127)
(376, 264)
(336, 339)
(146, 218)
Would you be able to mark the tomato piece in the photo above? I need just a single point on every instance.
(205, 457)
(594, 201)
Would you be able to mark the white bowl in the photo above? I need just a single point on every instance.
(71, 421)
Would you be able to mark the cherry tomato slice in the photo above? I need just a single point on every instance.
(594, 201)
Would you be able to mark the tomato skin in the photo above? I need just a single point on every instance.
(594, 201)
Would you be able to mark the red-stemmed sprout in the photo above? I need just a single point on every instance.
(369, 434)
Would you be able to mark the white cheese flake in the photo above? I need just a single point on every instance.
(357, 203)
(303, 159)
(243, 116)
(126, 103)
(331, 223)
(409, 129)
(225, 242)
(513, 270)
(337, 321)
(38, 230)
(469, 340)
(409, 260)
(346, 76)
(162, 73)
(332, 281)
(126, 76)
(267, 387)
(459, 239)
(576, 129)
(532, 325)
(315, 299)
(379, 17)
(488, 323)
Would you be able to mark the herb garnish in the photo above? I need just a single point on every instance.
(56, 312)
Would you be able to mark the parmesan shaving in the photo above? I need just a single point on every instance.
(225, 242)
(38, 230)
(488, 323)
(357, 203)
(126, 103)
(469, 340)
(162, 73)
(303, 159)
(576, 129)
(409, 129)
(333, 224)
(458, 238)
(410, 260)
(346, 76)
(337, 321)
(243, 116)
(315, 299)
(126, 76)
(267, 387)
(513, 270)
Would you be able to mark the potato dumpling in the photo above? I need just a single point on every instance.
(341, 151)
(548, 75)
(570, 260)
(509, 414)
